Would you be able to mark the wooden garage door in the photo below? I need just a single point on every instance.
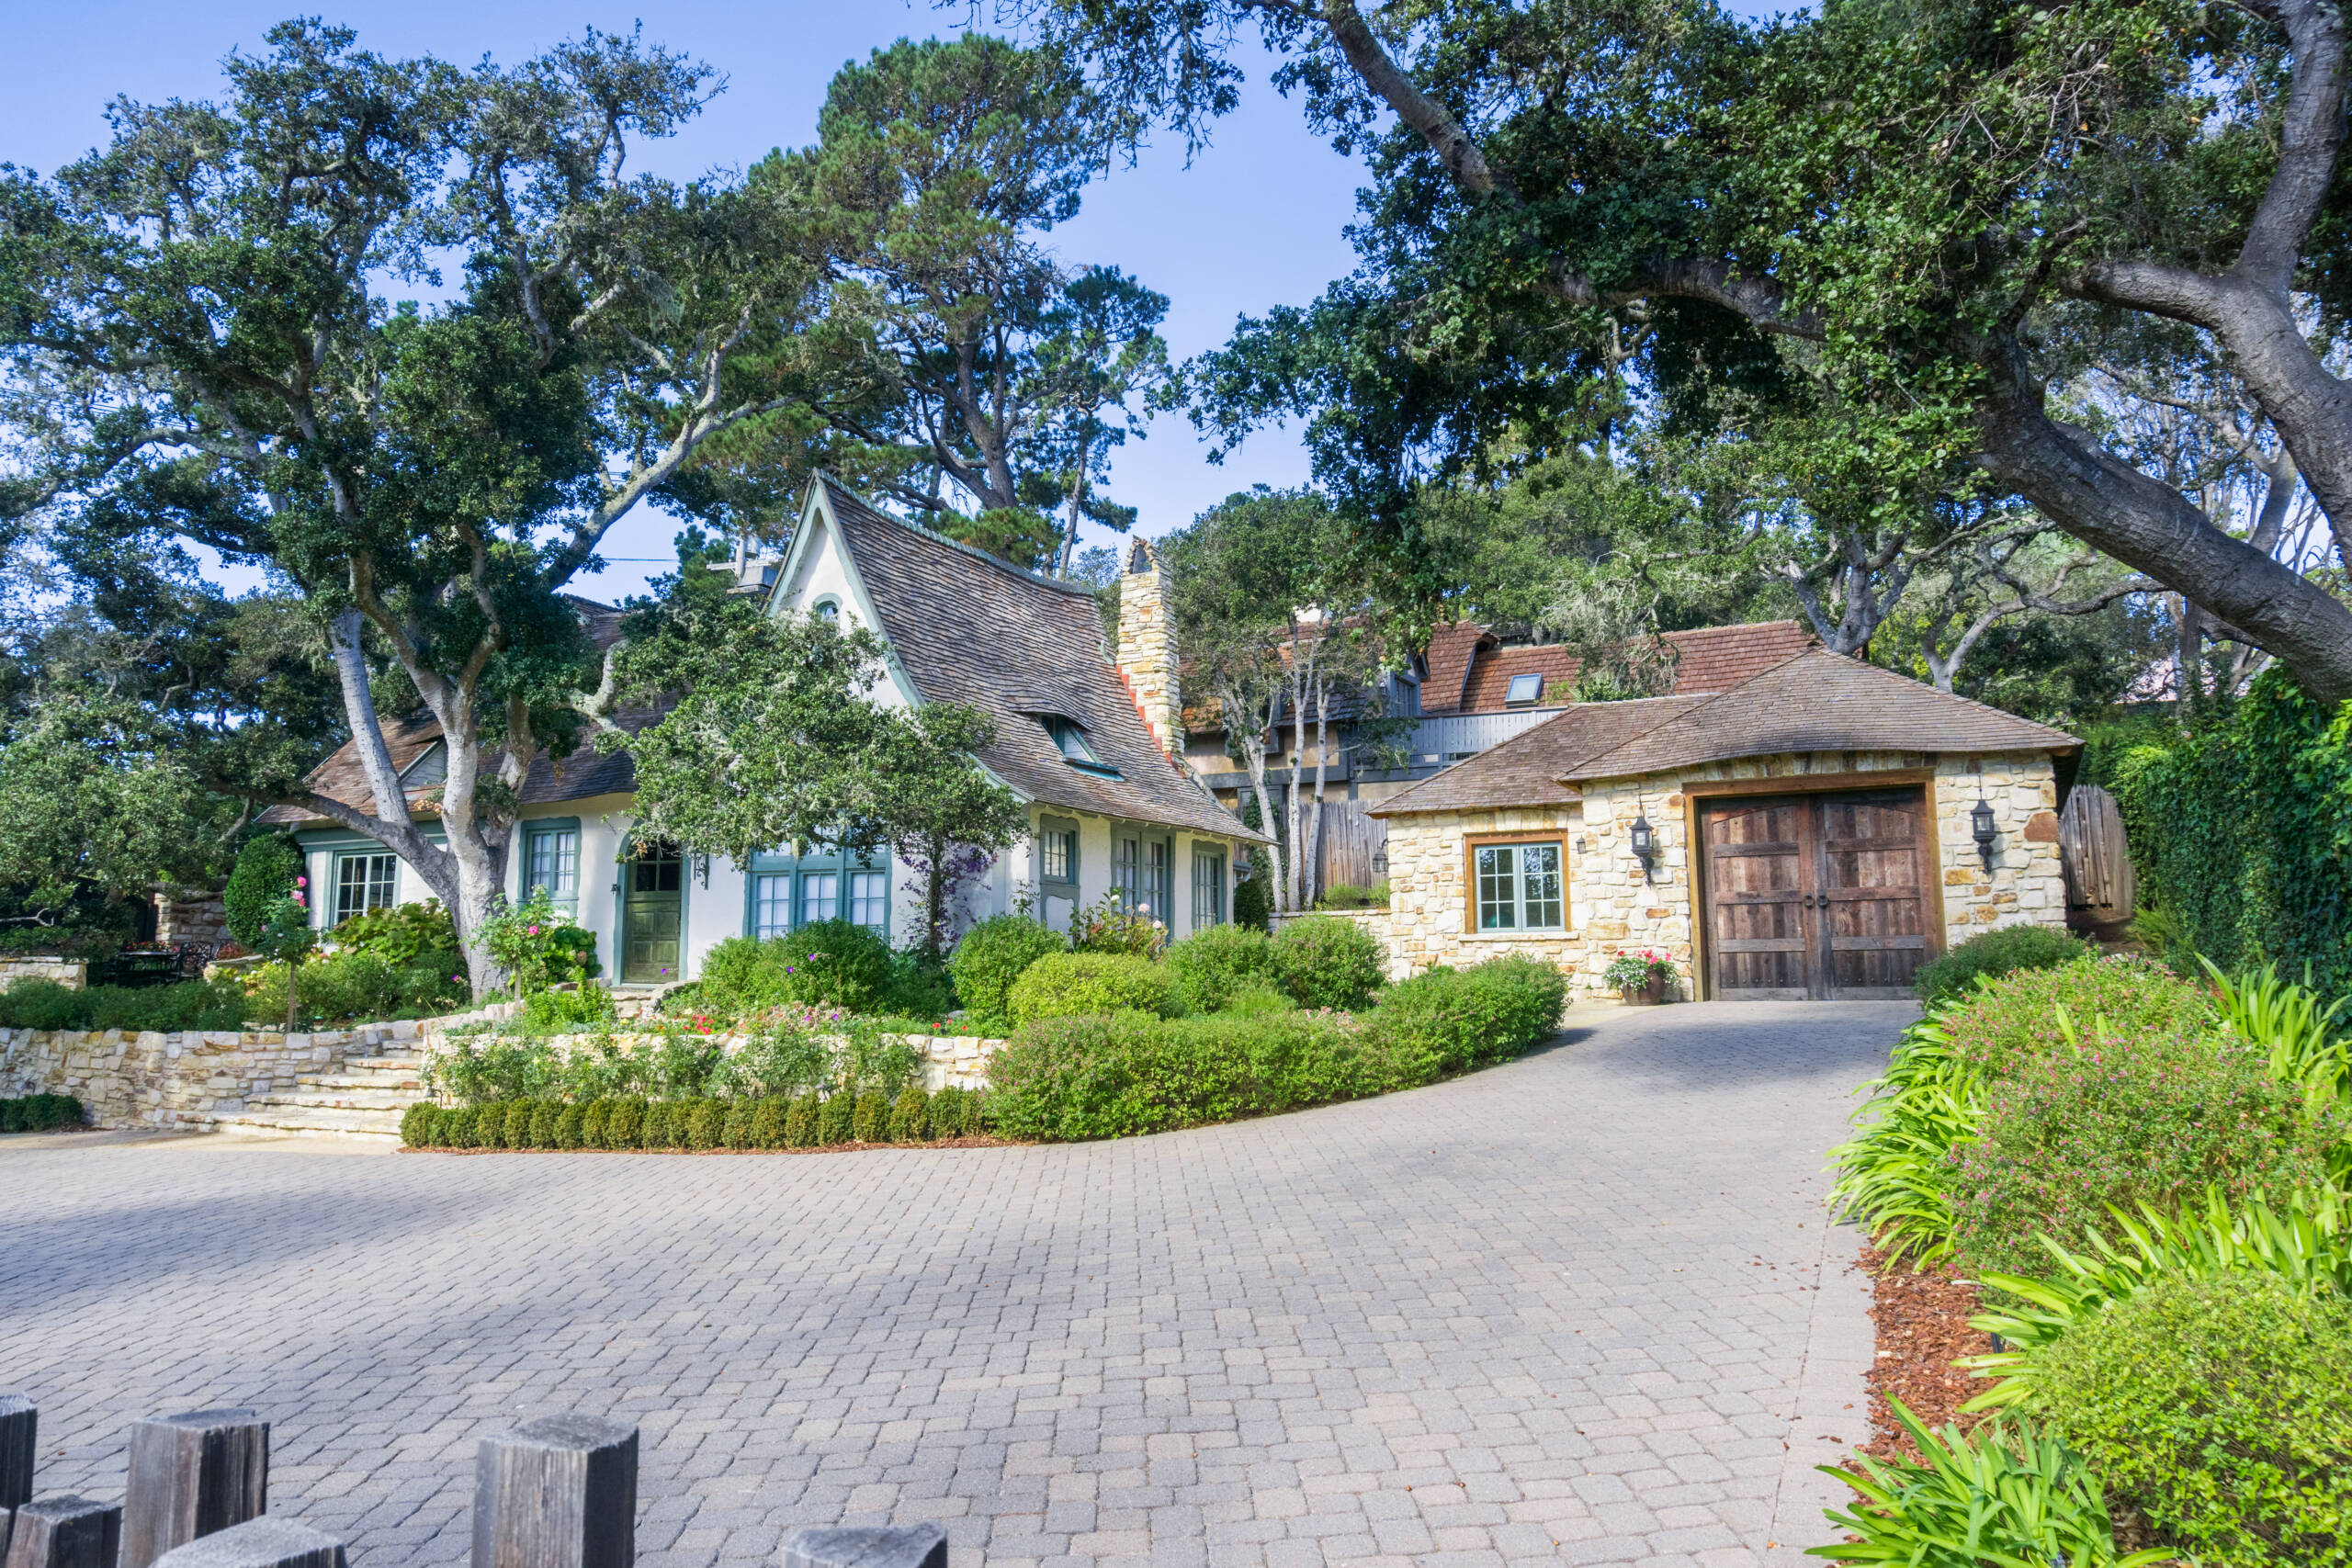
(1818, 895)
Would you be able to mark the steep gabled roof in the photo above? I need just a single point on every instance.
(1813, 701)
(968, 627)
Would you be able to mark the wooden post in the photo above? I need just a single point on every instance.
(259, 1543)
(899, 1546)
(66, 1533)
(20, 1423)
(191, 1475)
(559, 1492)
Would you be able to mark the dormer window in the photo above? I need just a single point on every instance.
(1070, 738)
(1524, 689)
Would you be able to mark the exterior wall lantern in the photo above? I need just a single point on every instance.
(1980, 819)
(1644, 840)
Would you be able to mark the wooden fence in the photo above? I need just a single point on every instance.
(2093, 857)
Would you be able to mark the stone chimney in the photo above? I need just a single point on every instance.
(1148, 648)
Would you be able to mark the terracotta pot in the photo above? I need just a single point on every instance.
(1649, 995)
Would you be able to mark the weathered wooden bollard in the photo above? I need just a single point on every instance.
(66, 1533)
(259, 1543)
(559, 1492)
(191, 1475)
(899, 1546)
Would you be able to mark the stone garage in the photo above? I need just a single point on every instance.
(1818, 829)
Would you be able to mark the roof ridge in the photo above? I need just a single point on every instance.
(1060, 585)
(1380, 806)
(1707, 700)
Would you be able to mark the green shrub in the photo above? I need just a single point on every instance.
(1449, 1020)
(824, 963)
(920, 987)
(265, 872)
(1253, 897)
(191, 1005)
(870, 1118)
(567, 1127)
(2220, 1410)
(402, 935)
(2025, 1016)
(42, 1004)
(836, 1119)
(735, 1132)
(1067, 985)
(1348, 896)
(457, 1127)
(767, 1125)
(585, 1006)
(1251, 1001)
(1326, 961)
(661, 1129)
(991, 956)
(800, 1122)
(1108, 1076)
(1994, 1495)
(490, 1126)
(40, 1112)
(624, 1123)
(547, 1117)
(706, 1124)
(1109, 926)
(2152, 1119)
(910, 1117)
(514, 1131)
(592, 1124)
(947, 1112)
(540, 945)
(1894, 1177)
(1994, 953)
(419, 1126)
(1211, 967)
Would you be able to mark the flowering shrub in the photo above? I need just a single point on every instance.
(1110, 926)
(825, 963)
(1630, 969)
(539, 945)
(2024, 1016)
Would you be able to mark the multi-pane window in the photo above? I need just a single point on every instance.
(771, 905)
(869, 899)
(551, 859)
(1519, 887)
(362, 883)
(1058, 855)
(1208, 889)
(820, 897)
(1126, 868)
(1159, 892)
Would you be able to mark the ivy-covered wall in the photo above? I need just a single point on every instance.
(2242, 834)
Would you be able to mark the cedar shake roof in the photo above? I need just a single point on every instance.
(1816, 701)
(967, 627)
(1708, 659)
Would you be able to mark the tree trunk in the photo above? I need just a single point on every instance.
(1312, 855)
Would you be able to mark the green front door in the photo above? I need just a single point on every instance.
(654, 899)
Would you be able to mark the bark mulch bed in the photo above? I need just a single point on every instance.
(1922, 1322)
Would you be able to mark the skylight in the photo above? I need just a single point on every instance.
(1524, 689)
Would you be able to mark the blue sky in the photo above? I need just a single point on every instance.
(1254, 221)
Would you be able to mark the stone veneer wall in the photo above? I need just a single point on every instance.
(197, 917)
(1147, 648)
(1611, 907)
(71, 972)
(191, 1080)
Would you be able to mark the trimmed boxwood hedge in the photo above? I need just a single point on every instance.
(631, 1122)
(40, 1112)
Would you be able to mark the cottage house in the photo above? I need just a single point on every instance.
(1815, 827)
(1087, 736)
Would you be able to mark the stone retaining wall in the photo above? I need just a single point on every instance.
(71, 972)
(193, 1078)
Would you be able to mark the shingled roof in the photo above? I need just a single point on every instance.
(1815, 701)
(1470, 670)
(968, 627)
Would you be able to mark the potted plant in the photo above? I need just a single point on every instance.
(1639, 977)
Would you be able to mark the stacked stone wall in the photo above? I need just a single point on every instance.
(199, 918)
(1615, 906)
(71, 972)
(1147, 648)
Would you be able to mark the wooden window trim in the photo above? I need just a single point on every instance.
(1472, 842)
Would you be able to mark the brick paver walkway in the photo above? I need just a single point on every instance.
(1565, 1310)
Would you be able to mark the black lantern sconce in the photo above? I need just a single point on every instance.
(1643, 838)
(1981, 818)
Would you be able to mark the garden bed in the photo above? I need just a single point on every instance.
(1922, 1323)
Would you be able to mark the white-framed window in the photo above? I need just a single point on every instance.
(869, 899)
(1056, 850)
(820, 896)
(771, 904)
(551, 859)
(1208, 889)
(1520, 888)
(363, 882)
(1524, 688)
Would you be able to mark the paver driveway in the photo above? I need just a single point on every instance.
(1567, 1309)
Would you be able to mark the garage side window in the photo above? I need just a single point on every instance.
(1519, 887)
